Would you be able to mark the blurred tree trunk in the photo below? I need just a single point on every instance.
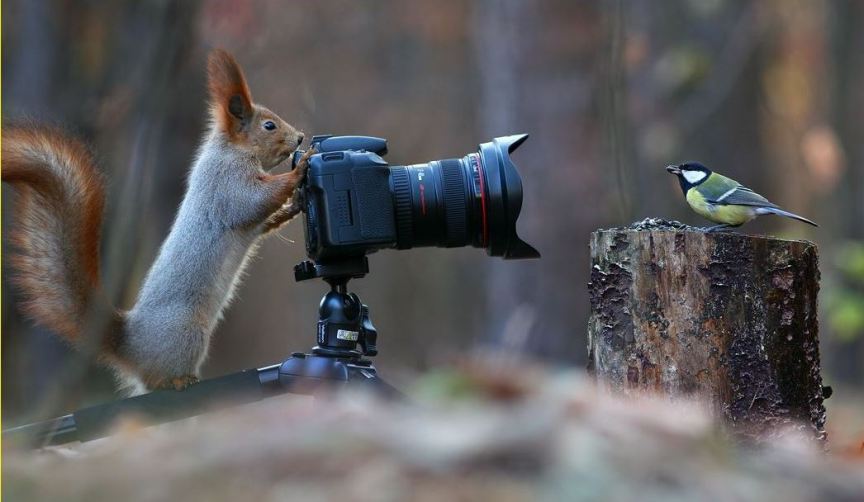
(792, 73)
(500, 58)
(114, 74)
(844, 212)
(30, 89)
(529, 305)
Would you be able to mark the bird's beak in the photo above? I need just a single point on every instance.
(673, 169)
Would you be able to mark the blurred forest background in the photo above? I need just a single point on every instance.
(768, 92)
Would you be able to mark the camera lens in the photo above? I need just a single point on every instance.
(474, 200)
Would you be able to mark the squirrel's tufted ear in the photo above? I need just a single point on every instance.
(230, 99)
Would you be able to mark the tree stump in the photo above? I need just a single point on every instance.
(726, 318)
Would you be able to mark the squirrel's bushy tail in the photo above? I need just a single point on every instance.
(57, 220)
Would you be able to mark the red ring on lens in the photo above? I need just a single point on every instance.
(478, 166)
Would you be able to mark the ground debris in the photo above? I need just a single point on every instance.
(557, 439)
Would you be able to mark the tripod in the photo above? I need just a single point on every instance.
(334, 363)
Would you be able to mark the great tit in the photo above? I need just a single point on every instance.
(721, 199)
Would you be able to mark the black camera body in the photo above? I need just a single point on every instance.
(355, 203)
(347, 198)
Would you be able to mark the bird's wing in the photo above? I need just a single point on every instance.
(742, 196)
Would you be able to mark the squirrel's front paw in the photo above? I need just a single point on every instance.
(280, 217)
(303, 164)
(177, 383)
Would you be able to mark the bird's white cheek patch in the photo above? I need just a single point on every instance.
(693, 176)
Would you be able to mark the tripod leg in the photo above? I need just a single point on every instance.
(369, 380)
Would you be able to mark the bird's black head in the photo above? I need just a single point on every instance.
(689, 174)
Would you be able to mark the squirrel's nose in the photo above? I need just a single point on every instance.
(300, 139)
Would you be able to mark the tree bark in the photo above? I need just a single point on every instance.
(726, 318)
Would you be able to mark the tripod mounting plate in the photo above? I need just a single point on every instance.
(348, 268)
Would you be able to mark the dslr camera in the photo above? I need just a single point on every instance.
(355, 203)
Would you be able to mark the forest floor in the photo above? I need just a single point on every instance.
(469, 434)
(845, 424)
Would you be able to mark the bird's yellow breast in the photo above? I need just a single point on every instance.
(730, 215)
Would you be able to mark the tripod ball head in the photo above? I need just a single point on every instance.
(343, 323)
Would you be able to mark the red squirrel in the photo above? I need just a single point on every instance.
(231, 201)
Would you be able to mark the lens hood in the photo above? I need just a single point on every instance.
(503, 191)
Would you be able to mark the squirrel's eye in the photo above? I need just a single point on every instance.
(269, 125)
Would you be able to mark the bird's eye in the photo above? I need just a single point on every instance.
(269, 125)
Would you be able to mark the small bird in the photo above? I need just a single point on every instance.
(721, 199)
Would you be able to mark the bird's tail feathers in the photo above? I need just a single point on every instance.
(780, 212)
